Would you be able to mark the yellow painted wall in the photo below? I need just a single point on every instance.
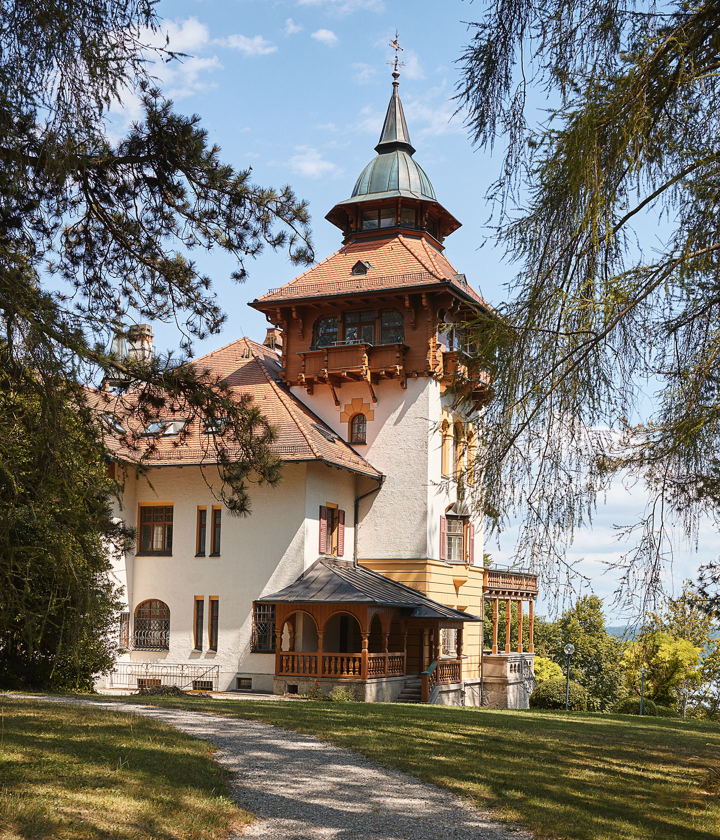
(456, 586)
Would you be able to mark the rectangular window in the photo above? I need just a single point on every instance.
(213, 624)
(216, 520)
(391, 327)
(198, 624)
(201, 531)
(387, 218)
(454, 531)
(156, 529)
(124, 631)
(370, 220)
(332, 531)
(359, 327)
(263, 631)
(408, 218)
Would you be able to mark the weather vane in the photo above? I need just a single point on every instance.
(397, 63)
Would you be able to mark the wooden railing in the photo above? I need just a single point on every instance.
(354, 357)
(440, 672)
(339, 665)
(506, 581)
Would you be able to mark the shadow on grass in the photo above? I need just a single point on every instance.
(579, 776)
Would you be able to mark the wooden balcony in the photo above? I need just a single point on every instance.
(440, 672)
(340, 665)
(458, 370)
(503, 583)
(355, 362)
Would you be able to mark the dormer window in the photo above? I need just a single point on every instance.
(361, 267)
(167, 428)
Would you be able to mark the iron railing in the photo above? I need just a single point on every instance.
(137, 675)
(151, 634)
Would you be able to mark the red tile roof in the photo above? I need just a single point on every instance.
(398, 262)
(248, 368)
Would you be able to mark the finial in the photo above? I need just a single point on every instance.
(397, 64)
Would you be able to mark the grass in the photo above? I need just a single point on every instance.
(566, 776)
(78, 773)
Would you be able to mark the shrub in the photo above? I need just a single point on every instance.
(546, 669)
(665, 711)
(551, 695)
(342, 695)
(631, 706)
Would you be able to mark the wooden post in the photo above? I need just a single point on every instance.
(508, 616)
(459, 650)
(278, 644)
(364, 660)
(520, 626)
(496, 619)
(405, 635)
(426, 649)
(531, 643)
(386, 645)
(321, 633)
(436, 644)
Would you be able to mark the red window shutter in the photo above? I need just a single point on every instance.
(341, 533)
(443, 545)
(471, 544)
(323, 529)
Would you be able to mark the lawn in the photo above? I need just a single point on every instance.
(567, 776)
(75, 773)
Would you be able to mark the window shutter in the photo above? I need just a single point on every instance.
(443, 541)
(323, 529)
(471, 544)
(341, 533)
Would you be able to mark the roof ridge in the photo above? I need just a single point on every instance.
(430, 254)
(404, 242)
(218, 350)
(307, 271)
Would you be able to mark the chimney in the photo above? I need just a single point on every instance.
(273, 339)
(140, 343)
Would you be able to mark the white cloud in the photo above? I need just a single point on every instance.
(433, 114)
(185, 36)
(412, 68)
(257, 45)
(325, 36)
(346, 7)
(309, 162)
(292, 28)
(370, 121)
(364, 72)
(326, 126)
(252, 154)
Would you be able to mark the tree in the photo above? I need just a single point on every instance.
(668, 663)
(96, 235)
(595, 664)
(609, 206)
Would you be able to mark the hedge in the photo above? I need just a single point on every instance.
(631, 706)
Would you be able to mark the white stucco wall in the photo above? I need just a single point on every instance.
(260, 554)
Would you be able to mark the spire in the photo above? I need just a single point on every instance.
(395, 134)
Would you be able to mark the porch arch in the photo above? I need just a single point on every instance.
(342, 633)
(299, 632)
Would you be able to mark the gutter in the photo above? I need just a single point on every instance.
(380, 480)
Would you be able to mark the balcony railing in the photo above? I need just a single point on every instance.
(357, 358)
(339, 665)
(499, 581)
(440, 672)
(151, 634)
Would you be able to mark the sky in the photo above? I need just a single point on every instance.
(297, 90)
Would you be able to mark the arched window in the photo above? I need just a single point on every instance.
(391, 327)
(152, 625)
(326, 331)
(358, 429)
(471, 455)
(458, 450)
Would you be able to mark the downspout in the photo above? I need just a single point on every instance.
(380, 481)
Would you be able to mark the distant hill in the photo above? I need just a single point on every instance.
(621, 631)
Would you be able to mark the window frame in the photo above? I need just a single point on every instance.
(162, 631)
(316, 332)
(332, 537)
(265, 642)
(166, 551)
(213, 623)
(353, 437)
(198, 621)
(455, 534)
(216, 530)
(201, 531)
(382, 340)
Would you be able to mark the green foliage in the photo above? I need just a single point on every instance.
(551, 695)
(596, 661)
(668, 662)
(665, 711)
(631, 706)
(342, 694)
(546, 669)
(57, 605)
(601, 305)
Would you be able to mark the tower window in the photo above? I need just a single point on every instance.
(326, 331)
(408, 217)
(359, 327)
(370, 220)
(387, 218)
(380, 218)
(358, 429)
(391, 327)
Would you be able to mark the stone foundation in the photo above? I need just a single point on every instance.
(381, 690)
(508, 680)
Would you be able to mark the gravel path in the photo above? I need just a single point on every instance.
(301, 788)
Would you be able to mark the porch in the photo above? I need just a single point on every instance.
(364, 630)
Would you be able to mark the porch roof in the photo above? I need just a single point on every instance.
(338, 582)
